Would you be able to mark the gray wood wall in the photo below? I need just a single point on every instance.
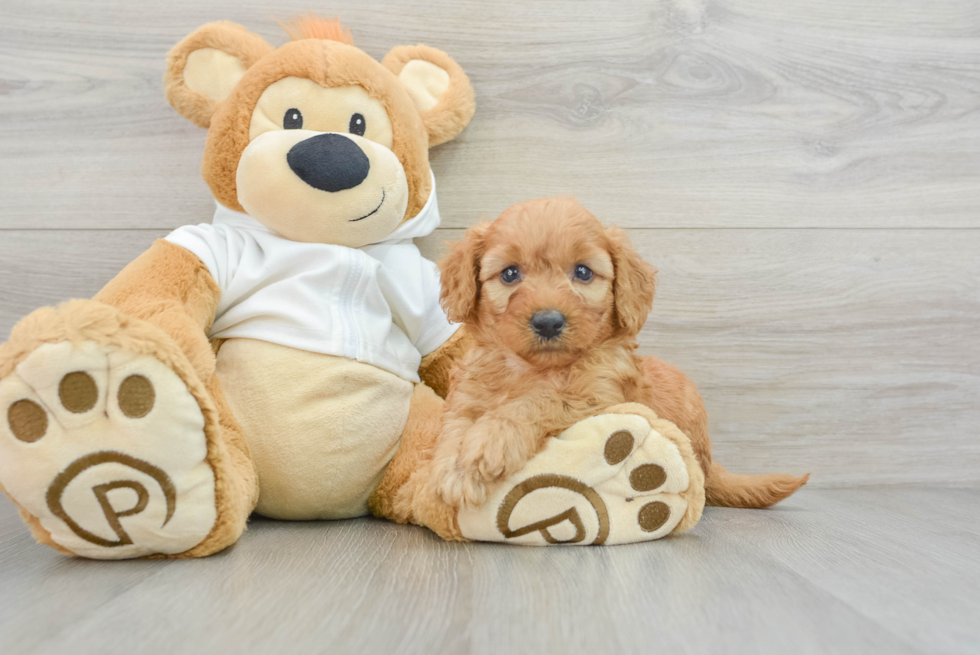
(804, 174)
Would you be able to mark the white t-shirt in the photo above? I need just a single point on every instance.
(377, 304)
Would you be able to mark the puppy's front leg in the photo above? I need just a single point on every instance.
(498, 445)
(446, 477)
(468, 460)
(488, 452)
(472, 456)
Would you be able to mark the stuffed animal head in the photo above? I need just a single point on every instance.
(315, 139)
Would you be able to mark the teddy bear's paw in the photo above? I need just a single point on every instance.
(611, 478)
(107, 450)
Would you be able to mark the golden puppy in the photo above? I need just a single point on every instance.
(554, 302)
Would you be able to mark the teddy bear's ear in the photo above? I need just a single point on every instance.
(440, 89)
(204, 68)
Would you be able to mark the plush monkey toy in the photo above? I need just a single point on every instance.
(282, 358)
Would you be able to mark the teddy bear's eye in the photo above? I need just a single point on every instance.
(292, 119)
(357, 125)
(510, 275)
(583, 273)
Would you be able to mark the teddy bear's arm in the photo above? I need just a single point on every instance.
(437, 366)
(171, 288)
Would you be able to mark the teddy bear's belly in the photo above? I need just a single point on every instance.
(321, 429)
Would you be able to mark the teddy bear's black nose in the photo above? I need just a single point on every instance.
(548, 324)
(329, 162)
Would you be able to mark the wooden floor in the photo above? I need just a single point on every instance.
(888, 571)
(804, 173)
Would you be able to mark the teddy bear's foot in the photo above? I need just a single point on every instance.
(619, 477)
(105, 449)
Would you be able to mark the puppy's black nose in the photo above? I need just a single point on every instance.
(329, 162)
(548, 324)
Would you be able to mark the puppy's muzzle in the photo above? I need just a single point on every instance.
(329, 162)
(548, 324)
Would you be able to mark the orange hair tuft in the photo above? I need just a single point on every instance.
(312, 26)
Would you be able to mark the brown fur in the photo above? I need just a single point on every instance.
(455, 109)
(397, 497)
(437, 367)
(513, 390)
(222, 35)
(171, 288)
(403, 494)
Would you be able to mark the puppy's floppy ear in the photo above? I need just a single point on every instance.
(634, 284)
(204, 68)
(437, 85)
(460, 273)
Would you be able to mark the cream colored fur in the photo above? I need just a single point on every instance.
(321, 429)
(212, 73)
(78, 450)
(81, 321)
(425, 81)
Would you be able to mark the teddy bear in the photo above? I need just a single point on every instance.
(277, 348)
(290, 357)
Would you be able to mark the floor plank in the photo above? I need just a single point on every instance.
(865, 546)
(749, 146)
(671, 113)
(840, 571)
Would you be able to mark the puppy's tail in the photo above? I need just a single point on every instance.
(724, 489)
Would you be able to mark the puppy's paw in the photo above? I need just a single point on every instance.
(494, 450)
(475, 489)
(445, 482)
(462, 489)
(613, 478)
(458, 486)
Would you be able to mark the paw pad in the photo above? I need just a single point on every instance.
(619, 446)
(647, 477)
(107, 449)
(653, 515)
(78, 392)
(28, 420)
(136, 396)
(608, 479)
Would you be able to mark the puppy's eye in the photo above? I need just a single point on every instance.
(357, 125)
(292, 119)
(583, 272)
(510, 275)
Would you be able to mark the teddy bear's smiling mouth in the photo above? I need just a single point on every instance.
(374, 211)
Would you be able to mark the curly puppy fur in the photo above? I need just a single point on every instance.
(516, 388)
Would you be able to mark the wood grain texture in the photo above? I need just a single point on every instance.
(841, 571)
(847, 353)
(671, 113)
(803, 173)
